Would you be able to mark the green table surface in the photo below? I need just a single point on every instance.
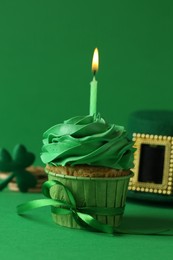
(36, 236)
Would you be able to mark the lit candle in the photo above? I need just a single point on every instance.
(93, 87)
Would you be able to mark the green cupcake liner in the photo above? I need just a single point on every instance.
(91, 192)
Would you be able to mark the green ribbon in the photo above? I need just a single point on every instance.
(80, 214)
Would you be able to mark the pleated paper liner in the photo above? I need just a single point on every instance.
(91, 192)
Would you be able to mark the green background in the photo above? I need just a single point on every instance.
(46, 49)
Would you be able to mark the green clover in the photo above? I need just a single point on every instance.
(17, 165)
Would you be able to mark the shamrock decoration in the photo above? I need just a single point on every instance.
(17, 165)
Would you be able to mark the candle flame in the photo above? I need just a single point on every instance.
(95, 61)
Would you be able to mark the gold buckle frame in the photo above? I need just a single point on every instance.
(166, 187)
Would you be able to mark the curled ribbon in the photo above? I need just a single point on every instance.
(80, 214)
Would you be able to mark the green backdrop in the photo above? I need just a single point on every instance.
(46, 49)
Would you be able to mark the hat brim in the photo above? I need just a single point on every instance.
(150, 197)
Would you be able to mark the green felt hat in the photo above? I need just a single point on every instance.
(143, 125)
(157, 122)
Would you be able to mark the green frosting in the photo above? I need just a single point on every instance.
(87, 140)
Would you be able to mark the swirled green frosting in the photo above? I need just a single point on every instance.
(87, 140)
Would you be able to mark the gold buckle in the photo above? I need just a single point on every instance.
(165, 186)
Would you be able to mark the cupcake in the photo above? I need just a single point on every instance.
(93, 160)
